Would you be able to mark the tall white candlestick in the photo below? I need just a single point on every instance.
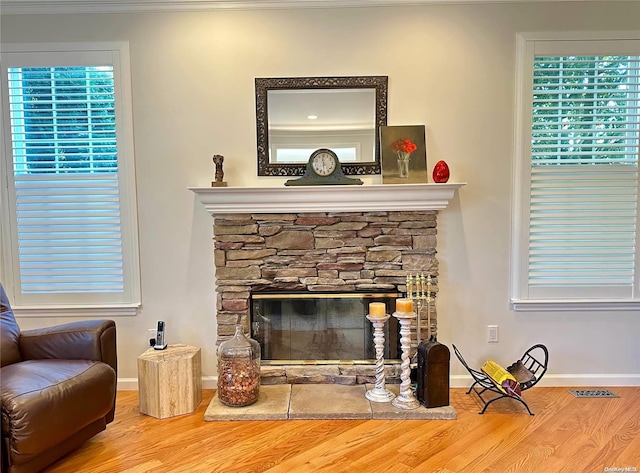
(379, 393)
(406, 399)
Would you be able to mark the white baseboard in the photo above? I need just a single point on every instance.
(209, 382)
(464, 381)
(577, 380)
(127, 384)
(591, 380)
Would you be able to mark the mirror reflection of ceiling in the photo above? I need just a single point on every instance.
(335, 109)
(18, 7)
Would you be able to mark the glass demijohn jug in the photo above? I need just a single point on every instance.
(239, 370)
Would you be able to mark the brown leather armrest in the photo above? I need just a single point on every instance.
(83, 340)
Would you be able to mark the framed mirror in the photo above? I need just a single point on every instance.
(297, 115)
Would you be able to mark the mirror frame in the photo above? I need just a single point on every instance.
(262, 85)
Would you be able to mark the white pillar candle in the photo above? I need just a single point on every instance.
(377, 309)
(404, 306)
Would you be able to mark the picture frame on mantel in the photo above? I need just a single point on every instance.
(403, 151)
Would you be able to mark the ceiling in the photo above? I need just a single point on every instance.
(8, 7)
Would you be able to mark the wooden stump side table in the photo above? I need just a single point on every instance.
(170, 381)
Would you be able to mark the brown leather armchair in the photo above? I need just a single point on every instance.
(58, 387)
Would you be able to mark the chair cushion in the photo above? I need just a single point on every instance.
(46, 401)
(9, 332)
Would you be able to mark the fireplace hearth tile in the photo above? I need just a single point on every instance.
(321, 401)
(272, 404)
(328, 401)
(385, 410)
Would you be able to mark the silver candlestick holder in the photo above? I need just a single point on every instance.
(379, 393)
(406, 399)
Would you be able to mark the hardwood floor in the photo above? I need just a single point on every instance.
(567, 434)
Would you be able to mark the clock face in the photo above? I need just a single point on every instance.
(324, 163)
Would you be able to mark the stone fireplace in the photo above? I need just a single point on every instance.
(326, 239)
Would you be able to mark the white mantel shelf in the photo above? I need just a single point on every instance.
(365, 198)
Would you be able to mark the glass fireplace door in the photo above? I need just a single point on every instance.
(332, 327)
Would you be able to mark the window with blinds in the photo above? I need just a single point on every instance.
(72, 243)
(579, 169)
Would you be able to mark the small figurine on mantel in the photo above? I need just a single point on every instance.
(218, 160)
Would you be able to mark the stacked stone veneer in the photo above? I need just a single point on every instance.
(319, 252)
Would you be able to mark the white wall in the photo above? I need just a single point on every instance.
(450, 67)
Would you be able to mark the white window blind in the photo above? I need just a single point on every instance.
(577, 240)
(73, 239)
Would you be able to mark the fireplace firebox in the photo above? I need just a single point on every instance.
(329, 327)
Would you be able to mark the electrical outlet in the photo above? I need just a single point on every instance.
(492, 333)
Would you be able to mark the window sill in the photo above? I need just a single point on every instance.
(75, 311)
(531, 305)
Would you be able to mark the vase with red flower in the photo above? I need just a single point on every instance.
(403, 148)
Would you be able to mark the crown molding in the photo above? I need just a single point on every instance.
(20, 7)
